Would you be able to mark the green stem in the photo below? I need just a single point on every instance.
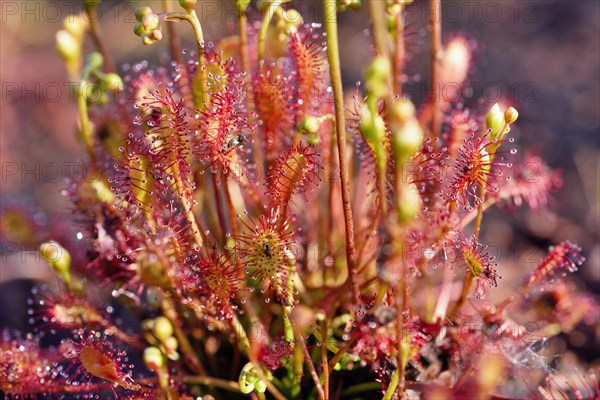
(371, 387)
(389, 393)
(230, 386)
(264, 28)
(333, 54)
(86, 130)
(202, 74)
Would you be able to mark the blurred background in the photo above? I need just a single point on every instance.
(542, 57)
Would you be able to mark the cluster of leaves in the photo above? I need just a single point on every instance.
(212, 211)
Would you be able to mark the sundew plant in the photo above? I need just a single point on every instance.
(272, 234)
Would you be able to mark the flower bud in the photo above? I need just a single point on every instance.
(494, 121)
(376, 76)
(141, 12)
(138, 29)
(76, 26)
(343, 5)
(510, 115)
(455, 64)
(171, 344)
(156, 35)
(152, 37)
(409, 203)
(310, 124)
(406, 140)
(56, 255)
(58, 258)
(153, 358)
(188, 5)
(94, 60)
(150, 21)
(162, 328)
(113, 82)
(402, 110)
(67, 45)
(292, 19)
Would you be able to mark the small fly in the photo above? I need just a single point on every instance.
(267, 250)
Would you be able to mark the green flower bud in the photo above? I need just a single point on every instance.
(376, 76)
(171, 344)
(154, 358)
(292, 20)
(309, 124)
(355, 5)
(494, 121)
(138, 29)
(58, 258)
(67, 45)
(260, 386)
(402, 110)
(141, 12)
(409, 203)
(150, 21)
(56, 255)
(76, 25)
(406, 140)
(343, 5)
(510, 115)
(162, 328)
(113, 82)
(313, 139)
(188, 5)
(94, 60)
